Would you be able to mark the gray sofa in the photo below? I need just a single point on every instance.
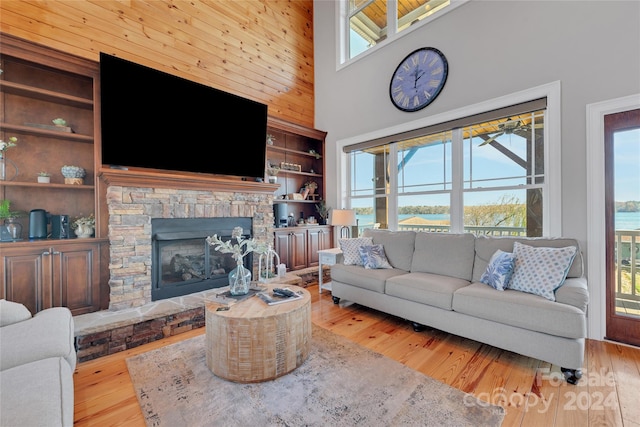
(435, 281)
(37, 361)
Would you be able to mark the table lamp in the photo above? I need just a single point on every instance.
(345, 218)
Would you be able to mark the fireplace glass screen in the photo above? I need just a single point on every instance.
(182, 260)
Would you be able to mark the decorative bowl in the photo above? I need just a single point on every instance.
(73, 172)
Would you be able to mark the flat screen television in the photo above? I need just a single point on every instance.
(155, 120)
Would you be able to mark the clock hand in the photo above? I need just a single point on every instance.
(415, 77)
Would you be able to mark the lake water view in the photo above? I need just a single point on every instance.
(624, 220)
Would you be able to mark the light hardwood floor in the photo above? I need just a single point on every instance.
(531, 391)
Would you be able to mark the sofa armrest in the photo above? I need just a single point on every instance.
(50, 333)
(574, 292)
(12, 312)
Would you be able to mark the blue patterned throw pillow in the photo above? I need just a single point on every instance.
(373, 257)
(499, 270)
(349, 248)
(541, 270)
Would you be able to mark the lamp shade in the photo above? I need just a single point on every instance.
(344, 217)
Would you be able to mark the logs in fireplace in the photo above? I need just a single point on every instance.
(183, 262)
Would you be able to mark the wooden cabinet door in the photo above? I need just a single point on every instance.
(41, 277)
(318, 238)
(298, 245)
(314, 237)
(23, 277)
(75, 268)
(291, 246)
(281, 246)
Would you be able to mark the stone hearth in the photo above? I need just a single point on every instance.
(107, 332)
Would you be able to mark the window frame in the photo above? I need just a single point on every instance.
(552, 203)
(343, 29)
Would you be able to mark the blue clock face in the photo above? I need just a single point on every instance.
(418, 79)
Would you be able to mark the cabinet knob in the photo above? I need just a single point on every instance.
(56, 252)
(45, 253)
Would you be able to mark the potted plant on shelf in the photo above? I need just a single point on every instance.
(311, 186)
(44, 177)
(323, 212)
(12, 227)
(272, 173)
(84, 226)
(73, 174)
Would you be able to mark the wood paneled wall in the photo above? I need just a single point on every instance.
(258, 49)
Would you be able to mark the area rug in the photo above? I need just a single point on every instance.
(340, 384)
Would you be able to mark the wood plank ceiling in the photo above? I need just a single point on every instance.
(258, 49)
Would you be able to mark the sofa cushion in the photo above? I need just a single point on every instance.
(12, 312)
(351, 249)
(520, 309)
(373, 257)
(486, 246)
(447, 254)
(499, 270)
(50, 333)
(357, 275)
(540, 271)
(38, 393)
(426, 288)
(398, 245)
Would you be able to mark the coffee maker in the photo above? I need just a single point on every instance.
(280, 215)
(60, 226)
(38, 221)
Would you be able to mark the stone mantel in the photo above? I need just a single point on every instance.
(184, 181)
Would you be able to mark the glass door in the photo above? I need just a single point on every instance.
(622, 201)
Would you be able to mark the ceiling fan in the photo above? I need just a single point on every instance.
(512, 126)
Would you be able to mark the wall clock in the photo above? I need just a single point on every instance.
(418, 79)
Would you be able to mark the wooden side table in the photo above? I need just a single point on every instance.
(251, 341)
(327, 257)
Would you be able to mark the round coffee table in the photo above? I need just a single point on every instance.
(253, 341)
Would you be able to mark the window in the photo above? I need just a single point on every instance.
(371, 22)
(370, 186)
(485, 177)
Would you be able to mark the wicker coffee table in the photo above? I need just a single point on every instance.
(253, 342)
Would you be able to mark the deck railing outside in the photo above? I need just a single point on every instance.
(627, 245)
(477, 230)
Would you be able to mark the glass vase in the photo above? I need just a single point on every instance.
(239, 280)
(4, 164)
(14, 228)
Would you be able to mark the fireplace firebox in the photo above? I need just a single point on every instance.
(182, 262)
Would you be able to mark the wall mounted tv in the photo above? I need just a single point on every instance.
(155, 120)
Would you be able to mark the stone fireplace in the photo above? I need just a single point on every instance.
(133, 201)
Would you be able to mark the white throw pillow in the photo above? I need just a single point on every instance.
(540, 270)
(499, 270)
(373, 257)
(351, 249)
(12, 312)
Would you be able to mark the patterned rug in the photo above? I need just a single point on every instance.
(340, 384)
